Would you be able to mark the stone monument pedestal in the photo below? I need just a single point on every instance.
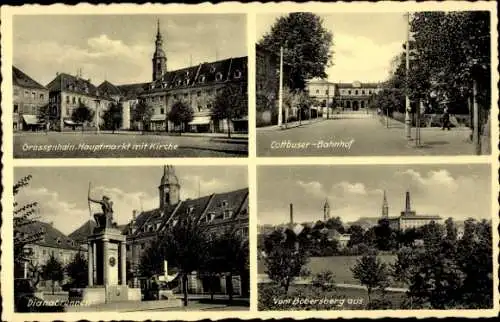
(107, 280)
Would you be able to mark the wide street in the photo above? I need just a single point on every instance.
(125, 145)
(358, 134)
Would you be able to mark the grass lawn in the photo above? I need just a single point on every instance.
(340, 266)
(300, 297)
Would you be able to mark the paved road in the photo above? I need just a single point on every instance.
(358, 134)
(91, 145)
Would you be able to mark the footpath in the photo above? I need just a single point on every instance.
(290, 125)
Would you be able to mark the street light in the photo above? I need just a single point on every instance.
(407, 76)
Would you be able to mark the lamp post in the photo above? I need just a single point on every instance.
(407, 76)
(280, 99)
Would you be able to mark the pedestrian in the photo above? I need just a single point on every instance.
(446, 119)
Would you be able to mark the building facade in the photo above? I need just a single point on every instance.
(408, 217)
(196, 86)
(356, 95)
(52, 243)
(67, 93)
(267, 71)
(28, 98)
(217, 213)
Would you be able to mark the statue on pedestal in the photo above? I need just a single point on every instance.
(104, 219)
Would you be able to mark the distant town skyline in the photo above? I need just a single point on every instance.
(61, 192)
(364, 44)
(119, 48)
(357, 191)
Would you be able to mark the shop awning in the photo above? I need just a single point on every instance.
(200, 120)
(158, 118)
(245, 118)
(70, 122)
(30, 119)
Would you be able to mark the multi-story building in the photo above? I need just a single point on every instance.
(67, 92)
(197, 86)
(52, 243)
(355, 95)
(267, 70)
(408, 217)
(28, 97)
(216, 213)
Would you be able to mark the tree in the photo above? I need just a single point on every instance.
(384, 237)
(53, 271)
(307, 46)
(77, 270)
(335, 223)
(151, 262)
(82, 114)
(113, 117)
(451, 230)
(185, 246)
(357, 235)
(180, 114)
(229, 254)
(372, 273)
(230, 103)
(24, 217)
(284, 264)
(35, 274)
(142, 112)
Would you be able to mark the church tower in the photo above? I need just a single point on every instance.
(385, 207)
(169, 187)
(326, 211)
(159, 57)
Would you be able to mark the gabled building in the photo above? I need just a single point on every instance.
(355, 95)
(217, 213)
(52, 243)
(67, 92)
(28, 97)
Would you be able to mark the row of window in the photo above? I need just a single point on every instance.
(161, 98)
(33, 95)
(26, 109)
(201, 79)
(349, 92)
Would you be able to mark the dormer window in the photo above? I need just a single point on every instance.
(190, 210)
(58, 240)
(212, 216)
(237, 74)
(212, 69)
(202, 79)
(179, 82)
(224, 203)
(218, 76)
(228, 214)
(187, 81)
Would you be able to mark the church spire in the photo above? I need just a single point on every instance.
(326, 210)
(385, 207)
(159, 57)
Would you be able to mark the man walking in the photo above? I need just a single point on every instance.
(446, 119)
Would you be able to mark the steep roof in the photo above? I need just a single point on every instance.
(51, 237)
(70, 83)
(351, 85)
(80, 234)
(19, 78)
(132, 91)
(108, 89)
(221, 71)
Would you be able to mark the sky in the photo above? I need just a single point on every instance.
(458, 191)
(119, 48)
(364, 43)
(61, 192)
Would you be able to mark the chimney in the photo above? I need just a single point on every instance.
(134, 215)
(407, 203)
(291, 214)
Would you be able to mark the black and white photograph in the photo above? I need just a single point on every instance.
(373, 83)
(86, 240)
(125, 85)
(375, 237)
